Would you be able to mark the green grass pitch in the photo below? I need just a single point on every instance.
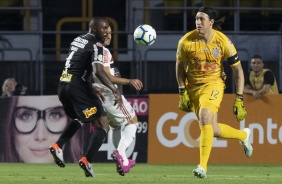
(24, 173)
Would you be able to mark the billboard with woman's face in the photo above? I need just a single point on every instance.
(30, 124)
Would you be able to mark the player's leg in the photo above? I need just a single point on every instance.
(89, 109)
(127, 120)
(128, 134)
(119, 156)
(206, 116)
(206, 101)
(73, 126)
(55, 148)
(97, 138)
(116, 135)
(228, 132)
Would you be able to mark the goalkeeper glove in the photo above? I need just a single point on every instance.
(184, 101)
(238, 107)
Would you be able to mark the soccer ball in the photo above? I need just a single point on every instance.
(145, 35)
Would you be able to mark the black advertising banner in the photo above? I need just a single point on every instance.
(138, 148)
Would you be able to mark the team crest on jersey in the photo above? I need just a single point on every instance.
(90, 112)
(215, 52)
(99, 44)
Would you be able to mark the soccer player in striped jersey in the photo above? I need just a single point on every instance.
(123, 121)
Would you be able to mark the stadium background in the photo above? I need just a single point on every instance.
(35, 36)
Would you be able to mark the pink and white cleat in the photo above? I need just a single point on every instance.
(122, 169)
(131, 163)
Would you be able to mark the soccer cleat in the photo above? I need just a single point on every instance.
(200, 172)
(131, 163)
(57, 154)
(122, 169)
(119, 162)
(87, 167)
(248, 149)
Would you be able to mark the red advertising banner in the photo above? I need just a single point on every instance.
(174, 135)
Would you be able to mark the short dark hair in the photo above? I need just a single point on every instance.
(94, 22)
(256, 56)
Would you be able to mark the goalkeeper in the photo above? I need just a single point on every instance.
(200, 77)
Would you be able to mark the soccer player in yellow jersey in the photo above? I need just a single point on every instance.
(199, 73)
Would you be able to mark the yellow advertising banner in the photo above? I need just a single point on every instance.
(174, 135)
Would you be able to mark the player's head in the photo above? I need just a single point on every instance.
(98, 26)
(256, 63)
(107, 41)
(208, 18)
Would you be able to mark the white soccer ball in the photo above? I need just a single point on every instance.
(145, 35)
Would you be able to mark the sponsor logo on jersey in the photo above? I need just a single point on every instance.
(65, 77)
(90, 112)
(80, 45)
(81, 40)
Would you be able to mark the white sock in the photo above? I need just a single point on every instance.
(116, 136)
(127, 136)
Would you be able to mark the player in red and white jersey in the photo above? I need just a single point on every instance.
(123, 121)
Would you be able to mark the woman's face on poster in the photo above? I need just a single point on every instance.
(38, 122)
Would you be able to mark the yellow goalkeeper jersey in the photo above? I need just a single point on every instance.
(204, 61)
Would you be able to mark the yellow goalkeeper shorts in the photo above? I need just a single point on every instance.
(209, 96)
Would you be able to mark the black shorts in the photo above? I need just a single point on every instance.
(80, 102)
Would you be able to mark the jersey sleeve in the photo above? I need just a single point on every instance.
(268, 78)
(98, 53)
(180, 54)
(230, 52)
(108, 59)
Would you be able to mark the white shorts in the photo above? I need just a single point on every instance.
(121, 116)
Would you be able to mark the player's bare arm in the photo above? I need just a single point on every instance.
(180, 73)
(265, 89)
(248, 89)
(99, 92)
(238, 76)
(136, 83)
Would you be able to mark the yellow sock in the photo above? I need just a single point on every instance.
(206, 140)
(231, 133)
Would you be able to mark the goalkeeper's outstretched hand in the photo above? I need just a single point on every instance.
(239, 108)
(184, 101)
